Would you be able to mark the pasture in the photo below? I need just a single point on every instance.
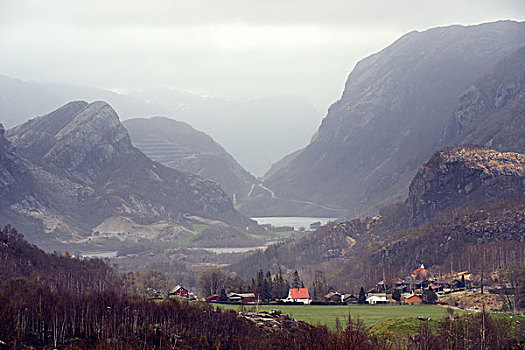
(369, 314)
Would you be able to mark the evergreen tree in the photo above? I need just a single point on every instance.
(362, 297)
(396, 295)
(429, 296)
(223, 296)
(296, 280)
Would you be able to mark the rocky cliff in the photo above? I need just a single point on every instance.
(466, 176)
(492, 111)
(179, 146)
(83, 163)
(390, 117)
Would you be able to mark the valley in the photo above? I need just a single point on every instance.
(160, 219)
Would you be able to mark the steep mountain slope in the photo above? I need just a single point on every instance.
(84, 164)
(18, 187)
(445, 196)
(492, 111)
(390, 116)
(179, 146)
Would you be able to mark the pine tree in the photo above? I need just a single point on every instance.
(362, 297)
(396, 295)
(296, 280)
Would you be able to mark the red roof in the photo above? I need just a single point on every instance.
(299, 293)
(413, 299)
(420, 271)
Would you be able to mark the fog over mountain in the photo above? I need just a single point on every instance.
(256, 132)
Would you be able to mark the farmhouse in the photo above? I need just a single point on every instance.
(333, 297)
(379, 298)
(298, 295)
(242, 297)
(214, 297)
(413, 300)
(179, 291)
(350, 299)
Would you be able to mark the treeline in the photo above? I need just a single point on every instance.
(265, 286)
(18, 258)
(34, 316)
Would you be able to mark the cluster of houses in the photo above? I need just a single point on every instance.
(408, 291)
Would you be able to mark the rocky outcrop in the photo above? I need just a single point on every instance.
(390, 117)
(177, 145)
(84, 165)
(466, 176)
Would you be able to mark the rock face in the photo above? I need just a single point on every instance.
(390, 117)
(177, 145)
(84, 165)
(492, 111)
(467, 176)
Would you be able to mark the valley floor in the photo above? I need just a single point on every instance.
(369, 314)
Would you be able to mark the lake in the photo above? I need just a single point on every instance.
(295, 221)
(230, 249)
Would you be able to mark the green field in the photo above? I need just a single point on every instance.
(370, 314)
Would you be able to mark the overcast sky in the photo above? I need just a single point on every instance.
(244, 48)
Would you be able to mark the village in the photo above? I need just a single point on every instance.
(419, 287)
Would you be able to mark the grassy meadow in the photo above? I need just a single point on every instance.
(370, 314)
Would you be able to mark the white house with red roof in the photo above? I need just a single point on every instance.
(298, 295)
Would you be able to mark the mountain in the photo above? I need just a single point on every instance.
(255, 132)
(177, 145)
(492, 111)
(19, 189)
(460, 196)
(390, 117)
(84, 173)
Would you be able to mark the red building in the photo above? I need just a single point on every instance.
(179, 291)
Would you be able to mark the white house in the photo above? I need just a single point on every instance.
(299, 295)
(373, 299)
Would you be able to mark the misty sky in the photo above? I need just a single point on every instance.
(244, 48)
